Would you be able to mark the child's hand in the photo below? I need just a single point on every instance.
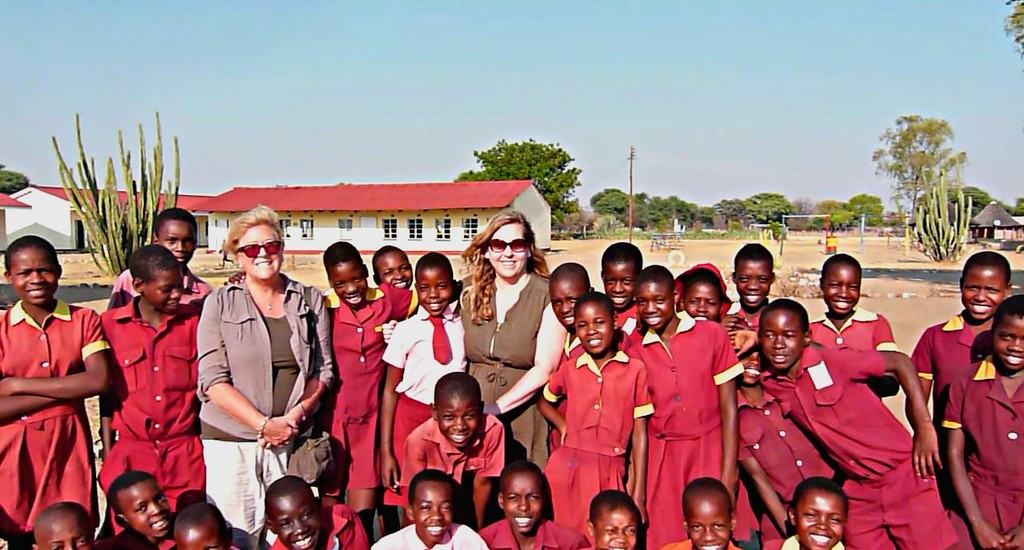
(387, 329)
(926, 452)
(389, 474)
(988, 537)
(732, 323)
(743, 341)
(237, 278)
(639, 496)
(1015, 539)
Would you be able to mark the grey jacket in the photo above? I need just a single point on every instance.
(234, 348)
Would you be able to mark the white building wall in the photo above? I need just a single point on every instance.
(49, 217)
(537, 211)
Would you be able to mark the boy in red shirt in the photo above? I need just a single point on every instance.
(692, 370)
(149, 417)
(753, 274)
(459, 440)
(142, 511)
(701, 292)
(521, 498)
(614, 521)
(707, 517)
(894, 502)
(819, 515)
(300, 522)
(985, 423)
(568, 282)
(601, 419)
(52, 357)
(620, 264)
(391, 266)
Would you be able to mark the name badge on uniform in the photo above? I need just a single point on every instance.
(629, 326)
(820, 376)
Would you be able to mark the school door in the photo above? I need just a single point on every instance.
(79, 235)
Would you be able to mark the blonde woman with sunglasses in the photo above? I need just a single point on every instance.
(262, 370)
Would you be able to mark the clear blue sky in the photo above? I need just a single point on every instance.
(722, 99)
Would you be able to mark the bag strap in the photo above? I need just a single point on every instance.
(314, 429)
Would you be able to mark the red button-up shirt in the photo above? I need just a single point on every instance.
(426, 447)
(944, 352)
(864, 330)
(550, 536)
(342, 528)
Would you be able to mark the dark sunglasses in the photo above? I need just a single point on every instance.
(253, 250)
(498, 246)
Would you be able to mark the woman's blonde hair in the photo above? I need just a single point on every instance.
(480, 295)
(261, 215)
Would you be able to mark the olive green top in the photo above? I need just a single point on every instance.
(514, 343)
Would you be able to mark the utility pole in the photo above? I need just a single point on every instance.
(632, 157)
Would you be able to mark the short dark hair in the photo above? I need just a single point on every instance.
(60, 509)
(610, 500)
(30, 241)
(342, 252)
(285, 486)
(385, 250)
(594, 297)
(657, 274)
(571, 270)
(520, 467)
(435, 260)
(622, 253)
(151, 259)
(788, 305)
(124, 482)
(753, 252)
(198, 514)
(822, 484)
(174, 214)
(1011, 307)
(703, 276)
(840, 260)
(431, 475)
(703, 487)
(457, 385)
(987, 259)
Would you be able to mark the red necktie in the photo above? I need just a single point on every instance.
(442, 347)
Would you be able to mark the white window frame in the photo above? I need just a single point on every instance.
(286, 225)
(415, 226)
(467, 234)
(443, 226)
(393, 230)
(305, 223)
(345, 227)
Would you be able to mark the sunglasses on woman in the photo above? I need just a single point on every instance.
(498, 246)
(253, 250)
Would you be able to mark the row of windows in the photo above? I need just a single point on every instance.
(443, 227)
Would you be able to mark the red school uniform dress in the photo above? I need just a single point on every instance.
(943, 352)
(599, 418)
(427, 447)
(152, 403)
(864, 330)
(993, 423)
(343, 529)
(890, 507)
(46, 456)
(684, 436)
(550, 536)
(570, 351)
(350, 414)
(782, 450)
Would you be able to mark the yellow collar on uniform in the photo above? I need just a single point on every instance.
(686, 323)
(859, 315)
(571, 342)
(986, 370)
(793, 544)
(334, 301)
(585, 359)
(18, 314)
(954, 324)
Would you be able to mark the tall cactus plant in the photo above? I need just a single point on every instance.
(941, 225)
(115, 228)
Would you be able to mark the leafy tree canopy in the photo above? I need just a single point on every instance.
(914, 152)
(1015, 24)
(1018, 210)
(869, 205)
(731, 210)
(11, 181)
(979, 199)
(613, 202)
(767, 207)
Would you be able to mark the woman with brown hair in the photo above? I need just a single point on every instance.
(513, 338)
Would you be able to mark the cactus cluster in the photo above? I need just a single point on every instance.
(941, 225)
(115, 228)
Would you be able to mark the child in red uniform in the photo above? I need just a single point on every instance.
(461, 441)
(819, 515)
(432, 505)
(65, 525)
(358, 314)
(52, 357)
(601, 420)
(701, 292)
(295, 515)
(613, 522)
(753, 274)
(201, 526)
(568, 282)
(775, 454)
(423, 348)
(691, 370)
(143, 512)
(620, 264)
(985, 418)
(391, 266)
(521, 498)
(824, 392)
(707, 517)
(149, 418)
(846, 325)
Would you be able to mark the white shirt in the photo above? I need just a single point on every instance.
(459, 537)
(412, 349)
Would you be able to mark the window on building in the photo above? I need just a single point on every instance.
(470, 227)
(416, 229)
(345, 227)
(306, 227)
(444, 229)
(390, 226)
(285, 227)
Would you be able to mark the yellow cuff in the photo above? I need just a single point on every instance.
(643, 410)
(98, 345)
(887, 346)
(728, 374)
(550, 396)
(414, 303)
(925, 375)
(951, 425)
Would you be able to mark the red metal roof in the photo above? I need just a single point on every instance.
(352, 197)
(188, 202)
(7, 202)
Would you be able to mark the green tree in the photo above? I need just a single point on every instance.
(915, 152)
(11, 181)
(732, 210)
(767, 207)
(662, 211)
(706, 215)
(979, 197)
(838, 212)
(1015, 24)
(548, 165)
(1018, 210)
(612, 202)
(868, 205)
